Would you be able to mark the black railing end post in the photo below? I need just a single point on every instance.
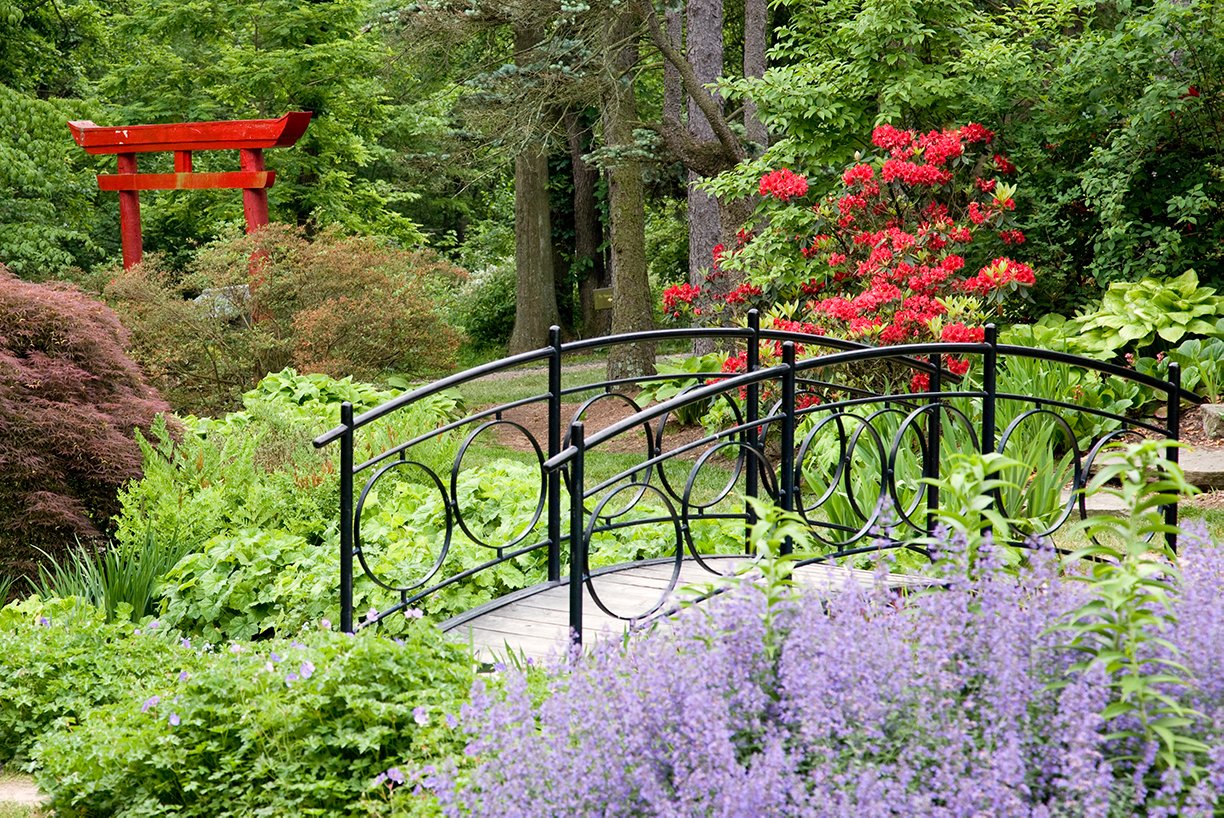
(346, 518)
(934, 422)
(577, 530)
(990, 371)
(787, 476)
(554, 447)
(1173, 425)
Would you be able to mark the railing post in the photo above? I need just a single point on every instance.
(934, 422)
(752, 412)
(1173, 419)
(990, 370)
(554, 447)
(787, 477)
(990, 367)
(577, 531)
(346, 518)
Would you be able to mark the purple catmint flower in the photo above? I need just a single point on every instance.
(325, 624)
(150, 703)
(44, 622)
(290, 678)
(413, 613)
(396, 775)
(183, 676)
(959, 701)
(174, 720)
(307, 669)
(185, 642)
(274, 656)
(420, 715)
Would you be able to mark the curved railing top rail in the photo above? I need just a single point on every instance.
(556, 349)
(903, 353)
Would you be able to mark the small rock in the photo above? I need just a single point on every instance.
(1213, 420)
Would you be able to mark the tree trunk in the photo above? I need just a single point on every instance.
(632, 310)
(756, 22)
(673, 87)
(535, 306)
(704, 50)
(588, 232)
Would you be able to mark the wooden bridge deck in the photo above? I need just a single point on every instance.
(534, 622)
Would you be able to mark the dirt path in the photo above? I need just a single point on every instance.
(19, 789)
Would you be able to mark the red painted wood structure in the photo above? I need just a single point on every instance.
(247, 136)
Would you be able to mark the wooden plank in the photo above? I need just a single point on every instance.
(245, 179)
(537, 625)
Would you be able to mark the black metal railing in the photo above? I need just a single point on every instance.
(831, 432)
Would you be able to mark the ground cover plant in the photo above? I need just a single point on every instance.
(1007, 692)
(139, 720)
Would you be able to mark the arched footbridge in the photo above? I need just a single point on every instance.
(646, 484)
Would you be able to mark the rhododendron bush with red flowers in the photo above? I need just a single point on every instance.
(911, 248)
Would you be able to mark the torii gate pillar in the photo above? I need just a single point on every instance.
(248, 136)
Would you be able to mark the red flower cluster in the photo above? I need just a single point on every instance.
(742, 293)
(679, 296)
(783, 185)
(974, 132)
(879, 259)
(998, 274)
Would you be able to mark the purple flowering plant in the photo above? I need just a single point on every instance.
(1007, 691)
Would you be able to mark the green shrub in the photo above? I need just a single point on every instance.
(60, 660)
(336, 305)
(487, 310)
(300, 727)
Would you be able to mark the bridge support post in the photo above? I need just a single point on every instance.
(346, 518)
(1173, 419)
(990, 371)
(934, 421)
(752, 412)
(577, 531)
(786, 485)
(554, 447)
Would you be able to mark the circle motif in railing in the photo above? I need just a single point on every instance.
(676, 558)
(522, 533)
(640, 478)
(1020, 505)
(852, 519)
(665, 481)
(763, 467)
(369, 562)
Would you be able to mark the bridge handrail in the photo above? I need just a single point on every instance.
(563, 459)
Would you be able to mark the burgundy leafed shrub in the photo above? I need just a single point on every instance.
(70, 399)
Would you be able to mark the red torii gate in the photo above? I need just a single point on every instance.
(247, 136)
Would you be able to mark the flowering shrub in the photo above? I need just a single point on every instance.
(963, 701)
(886, 258)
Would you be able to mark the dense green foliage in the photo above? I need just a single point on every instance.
(340, 305)
(138, 721)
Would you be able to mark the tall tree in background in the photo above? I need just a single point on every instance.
(633, 310)
(703, 47)
(535, 307)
